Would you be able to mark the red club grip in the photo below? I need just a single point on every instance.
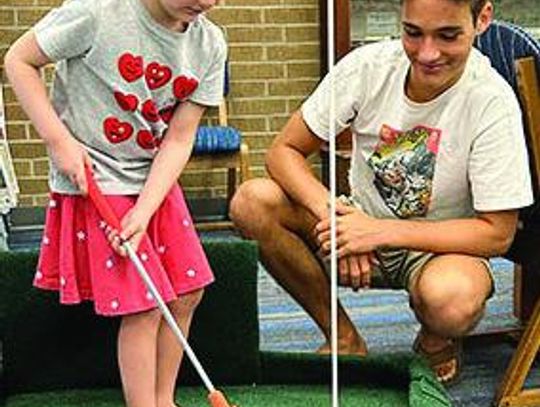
(102, 206)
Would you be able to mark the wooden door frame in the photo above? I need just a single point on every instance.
(342, 30)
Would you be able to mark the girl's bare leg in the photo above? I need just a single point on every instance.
(169, 351)
(137, 341)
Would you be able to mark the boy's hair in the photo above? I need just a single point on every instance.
(475, 5)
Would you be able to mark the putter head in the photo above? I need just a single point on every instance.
(217, 399)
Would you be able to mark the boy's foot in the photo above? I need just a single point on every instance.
(443, 355)
(352, 345)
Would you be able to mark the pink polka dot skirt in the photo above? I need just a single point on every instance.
(77, 260)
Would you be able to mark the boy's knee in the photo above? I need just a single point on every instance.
(252, 202)
(450, 309)
(239, 202)
(457, 280)
(452, 321)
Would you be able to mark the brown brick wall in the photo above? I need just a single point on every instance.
(274, 64)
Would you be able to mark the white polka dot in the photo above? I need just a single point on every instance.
(81, 235)
(185, 222)
(144, 257)
(46, 240)
(191, 273)
(115, 304)
(62, 281)
(109, 264)
(149, 296)
(39, 275)
(52, 203)
(161, 249)
(102, 224)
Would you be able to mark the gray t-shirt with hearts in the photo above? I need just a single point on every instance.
(119, 76)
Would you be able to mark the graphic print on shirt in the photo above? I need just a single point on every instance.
(156, 112)
(403, 164)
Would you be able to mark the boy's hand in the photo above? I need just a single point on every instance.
(356, 232)
(355, 270)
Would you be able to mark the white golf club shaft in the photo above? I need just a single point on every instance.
(168, 315)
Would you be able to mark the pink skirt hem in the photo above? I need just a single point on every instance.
(77, 261)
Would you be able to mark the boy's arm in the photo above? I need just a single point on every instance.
(22, 64)
(287, 163)
(488, 234)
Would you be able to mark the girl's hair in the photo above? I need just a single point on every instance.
(475, 5)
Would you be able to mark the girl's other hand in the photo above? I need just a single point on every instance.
(70, 157)
(134, 224)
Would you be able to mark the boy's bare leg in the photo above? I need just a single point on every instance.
(169, 350)
(448, 298)
(262, 212)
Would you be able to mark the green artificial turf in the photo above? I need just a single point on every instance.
(47, 346)
(366, 381)
(246, 396)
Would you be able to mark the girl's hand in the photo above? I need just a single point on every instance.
(134, 224)
(70, 157)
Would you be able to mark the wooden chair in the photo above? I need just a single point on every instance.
(516, 55)
(236, 162)
(505, 43)
(510, 391)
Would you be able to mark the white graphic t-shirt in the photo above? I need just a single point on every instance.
(461, 152)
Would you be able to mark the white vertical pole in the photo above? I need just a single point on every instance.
(332, 184)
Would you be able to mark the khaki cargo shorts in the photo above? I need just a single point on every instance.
(400, 268)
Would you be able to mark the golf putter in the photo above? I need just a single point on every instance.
(215, 397)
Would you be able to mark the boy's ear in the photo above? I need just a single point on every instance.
(484, 18)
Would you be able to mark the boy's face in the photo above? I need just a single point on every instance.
(438, 36)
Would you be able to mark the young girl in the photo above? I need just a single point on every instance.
(132, 80)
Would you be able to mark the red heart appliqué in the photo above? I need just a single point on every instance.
(146, 140)
(167, 113)
(130, 67)
(184, 86)
(117, 131)
(150, 112)
(157, 75)
(127, 101)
